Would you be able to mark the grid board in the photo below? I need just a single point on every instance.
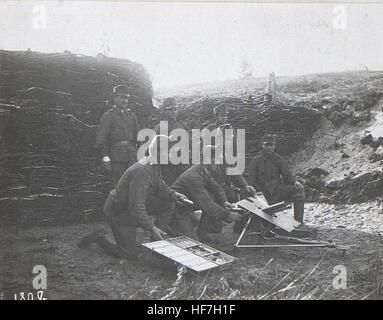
(190, 253)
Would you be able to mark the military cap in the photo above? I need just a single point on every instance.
(121, 89)
(169, 103)
(269, 138)
(220, 109)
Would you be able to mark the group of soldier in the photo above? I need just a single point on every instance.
(174, 193)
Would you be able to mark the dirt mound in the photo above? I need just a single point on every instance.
(343, 165)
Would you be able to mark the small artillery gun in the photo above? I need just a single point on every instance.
(274, 227)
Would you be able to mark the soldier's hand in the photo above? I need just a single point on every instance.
(233, 216)
(298, 185)
(182, 198)
(157, 233)
(251, 190)
(106, 163)
(228, 205)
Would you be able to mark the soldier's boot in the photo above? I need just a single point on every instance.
(115, 250)
(299, 210)
(91, 238)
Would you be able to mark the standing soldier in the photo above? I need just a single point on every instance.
(270, 174)
(171, 172)
(228, 182)
(116, 138)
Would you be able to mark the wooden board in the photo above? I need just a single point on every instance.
(190, 253)
(281, 219)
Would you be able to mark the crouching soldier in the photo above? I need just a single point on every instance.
(140, 192)
(198, 185)
(270, 174)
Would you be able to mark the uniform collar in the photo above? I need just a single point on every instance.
(268, 155)
(121, 111)
(222, 126)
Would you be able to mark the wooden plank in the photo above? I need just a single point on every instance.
(280, 219)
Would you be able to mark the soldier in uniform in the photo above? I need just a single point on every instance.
(116, 138)
(270, 174)
(140, 192)
(232, 184)
(197, 184)
(171, 172)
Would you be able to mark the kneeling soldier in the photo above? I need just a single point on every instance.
(140, 192)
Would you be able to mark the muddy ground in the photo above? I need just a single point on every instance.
(298, 273)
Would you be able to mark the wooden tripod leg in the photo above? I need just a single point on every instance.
(262, 232)
(243, 231)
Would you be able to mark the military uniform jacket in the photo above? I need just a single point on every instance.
(176, 124)
(136, 184)
(116, 126)
(267, 172)
(196, 183)
(222, 127)
(171, 172)
(220, 175)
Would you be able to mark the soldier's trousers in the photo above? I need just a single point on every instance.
(290, 193)
(124, 225)
(209, 224)
(181, 223)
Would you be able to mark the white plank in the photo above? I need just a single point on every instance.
(281, 219)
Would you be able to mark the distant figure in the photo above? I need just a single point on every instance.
(169, 110)
(116, 139)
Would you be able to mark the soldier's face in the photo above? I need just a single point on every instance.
(171, 113)
(121, 101)
(222, 118)
(268, 147)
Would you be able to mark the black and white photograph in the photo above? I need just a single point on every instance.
(198, 151)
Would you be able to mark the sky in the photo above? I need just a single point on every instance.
(186, 43)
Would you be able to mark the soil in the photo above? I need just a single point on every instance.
(328, 144)
(74, 273)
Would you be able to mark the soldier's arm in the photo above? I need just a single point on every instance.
(252, 179)
(239, 181)
(157, 129)
(287, 176)
(102, 135)
(215, 188)
(164, 191)
(203, 200)
(138, 187)
(136, 129)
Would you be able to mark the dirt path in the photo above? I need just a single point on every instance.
(75, 273)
